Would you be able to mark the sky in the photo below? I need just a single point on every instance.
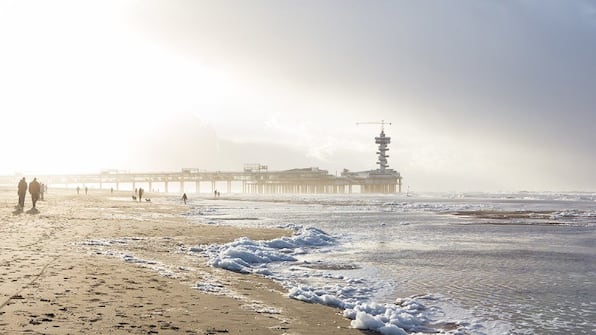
(481, 95)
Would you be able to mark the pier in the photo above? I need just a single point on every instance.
(253, 179)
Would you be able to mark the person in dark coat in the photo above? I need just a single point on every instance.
(184, 197)
(22, 191)
(35, 190)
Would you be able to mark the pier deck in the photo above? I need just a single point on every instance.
(252, 180)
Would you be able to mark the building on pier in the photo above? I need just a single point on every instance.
(314, 180)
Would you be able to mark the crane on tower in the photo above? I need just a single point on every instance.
(382, 123)
(383, 142)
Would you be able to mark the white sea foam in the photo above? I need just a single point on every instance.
(108, 247)
(349, 294)
(248, 256)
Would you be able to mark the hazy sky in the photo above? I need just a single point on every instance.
(482, 95)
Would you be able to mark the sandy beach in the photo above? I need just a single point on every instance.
(53, 280)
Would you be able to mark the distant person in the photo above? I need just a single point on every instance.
(78, 189)
(184, 197)
(141, 191)
(215, 194)
(111, 190)
(86, 189)
(22, 191)
(35, 190)
(218, 194)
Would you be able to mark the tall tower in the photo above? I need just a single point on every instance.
(383, 142)
(383, 179)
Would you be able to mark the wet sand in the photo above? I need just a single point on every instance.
(53, 280)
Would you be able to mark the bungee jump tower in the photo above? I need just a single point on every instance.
(383, 179)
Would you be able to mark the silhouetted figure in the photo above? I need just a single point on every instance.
(111, 190)
(215, 194)
(78, 189)
(184, 197)
(218, 194)
(86, 189)
(22, 191)
(35, 190)
(141, 191)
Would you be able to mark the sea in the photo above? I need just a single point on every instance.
(452, 263)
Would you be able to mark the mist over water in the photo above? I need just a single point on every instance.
(533, 274)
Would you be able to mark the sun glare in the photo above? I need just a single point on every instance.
(81, 89)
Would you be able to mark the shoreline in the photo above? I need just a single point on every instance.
(54, 283)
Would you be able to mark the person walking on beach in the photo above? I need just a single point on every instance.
(184, 197)
(86, 189)
(35, 190)
(22, 191)
(141, 190)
